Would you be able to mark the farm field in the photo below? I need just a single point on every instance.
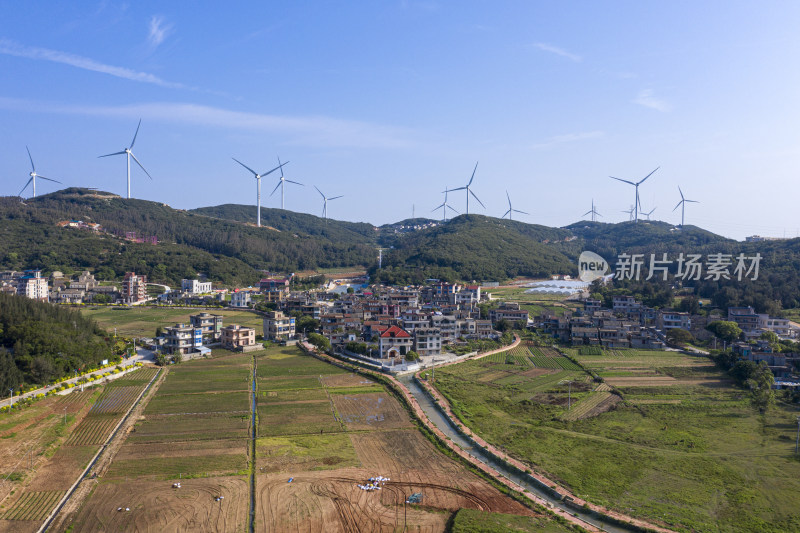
(38, 436)
(193, 430)
(327, 429)
(333, 432)
(143, 321)
(683, 432)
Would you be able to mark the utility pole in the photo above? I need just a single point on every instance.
(797, 441)
(11, 399)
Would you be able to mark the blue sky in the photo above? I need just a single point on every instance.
(388, 103)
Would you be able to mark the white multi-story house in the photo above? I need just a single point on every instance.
(279, 327)
(193, 286)
(427, 341)
(241, 299)
(395, 342)
(33, 286)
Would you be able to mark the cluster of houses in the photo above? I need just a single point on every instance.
(60, 289)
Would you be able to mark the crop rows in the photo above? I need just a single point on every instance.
(74, 398)
(33, 505)
(143, 374)
(92, 430)
(497, 357)
(554, 362)
(546, 382)
(586, 405)
(115, 400)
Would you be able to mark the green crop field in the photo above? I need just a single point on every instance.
(143, 321)
(692, 454)
(474, 521)
(306, 452)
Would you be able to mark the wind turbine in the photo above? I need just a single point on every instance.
(129, 154)
(445, 206)
(593, 211)
(512, 210)
(635, 184)
(630, 213)
(469, 191)
(325, 203)
(33, 176)
(648, 214)
(682, 204)
(281, 182)
(258, 180)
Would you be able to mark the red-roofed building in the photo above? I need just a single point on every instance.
(274, 289)
(395, 342)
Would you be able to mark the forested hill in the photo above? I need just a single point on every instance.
(189, 243)
(40, 342)
(283, 220)
(475, 247)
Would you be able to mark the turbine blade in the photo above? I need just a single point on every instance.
(274, 169)
(276, 188)
(693, 201)
(473, 176)
(509, 200)
(48, 179)
(456, 189)
(624, 181)
(586, 213)
(479, 200)
(677, 206)
(115, 153)
(245, 166)
(680, 191)
(25, 187)
(280, 166)
(597, 214)
(648, 176)
(518, 211)
(453, 209)
(140, 165)
(135, 134)
(437, 207)
(319, 191)
(335, 197)
(31, 158)
(504, 214)
(295, 182)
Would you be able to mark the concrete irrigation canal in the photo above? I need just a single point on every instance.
(443, 423)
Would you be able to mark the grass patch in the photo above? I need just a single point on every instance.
(306, 452)
(474, 521)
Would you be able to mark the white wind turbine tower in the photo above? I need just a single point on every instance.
(630, 213)
(469, 191)
(637, 203)
(512, 210)
(258, 181)
(281, 182)
(325, 203)
(445, 206)
(682, 204)
(33, 176)
(593, 212)
(648, 214)
(128, 153)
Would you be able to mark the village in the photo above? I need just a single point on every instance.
(402, 329)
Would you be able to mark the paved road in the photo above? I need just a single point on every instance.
(142, 355)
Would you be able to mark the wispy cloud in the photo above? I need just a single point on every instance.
(558, 51)
(298, 130)
(12, 48)
(568, 138)
(647, 98)
(159, 30)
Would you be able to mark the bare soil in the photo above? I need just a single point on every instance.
(370, 411)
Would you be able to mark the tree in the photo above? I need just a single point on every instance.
(320, 341)
(679, 336)
(690, 305)
(412, 356)
(760, 385)
(305, 324)
(772, 338)
(725, 330)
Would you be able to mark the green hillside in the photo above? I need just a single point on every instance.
(283, 220)
(188, 242)
(474, 247)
